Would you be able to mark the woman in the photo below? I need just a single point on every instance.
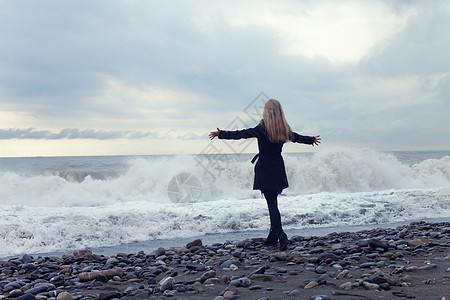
(270, 174)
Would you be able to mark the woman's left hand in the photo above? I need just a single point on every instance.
(317, 140)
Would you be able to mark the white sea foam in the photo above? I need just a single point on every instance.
(47, 212)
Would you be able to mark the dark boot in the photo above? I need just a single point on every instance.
(283, 239)
(272, 239)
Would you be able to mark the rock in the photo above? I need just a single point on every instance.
(311, 284)
(87, 276)
(11, 286)
(27, 297)
(64, 296)
(320, 270)
(37, 290)
(241, 244)
(15, 293)
(108, 295)
(255, 287)
(161, 251)
(167, 283)
(328, 256)
(228, 294)
(263, 277)
(207, 275)
(382, 277)
(170, 293)
(377, 244)
(428, 267)
(227, 263)
(370, 286)
(29, 267)
(363, 243)
(316, 250)
(229, 288)
(191, 266)
(194, 243)
(407, 278)
(346, 286)
(83, 255)
(294, 293)
(241, 282)
(58, 280)
(118, 271)
(412, 269)
(212, 280)
(27, 259)
(260, 270)
(415, 243)
(367, 265)
(342, 274)
(281, 255)
(320, 297)
(385, 286)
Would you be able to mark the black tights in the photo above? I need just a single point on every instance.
(272, 204)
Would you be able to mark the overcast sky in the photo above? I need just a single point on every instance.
(148, 77)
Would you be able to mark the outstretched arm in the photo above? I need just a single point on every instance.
(234, 134)
(311, 140)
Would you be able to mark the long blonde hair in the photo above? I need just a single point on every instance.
(277, 128)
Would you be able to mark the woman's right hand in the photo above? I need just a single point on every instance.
(213, 134)
(317, 140)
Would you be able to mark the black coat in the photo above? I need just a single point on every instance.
(270, 173)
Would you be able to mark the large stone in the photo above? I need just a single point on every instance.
(281, 255)
(260, 270)
(15, 293)
(27, 259)
(370, 286)
(241, 282)
(27, 297)
(167, 283)
(37, 290)
(311, 284)
(383, 277)
(328, 256)
(64, 296)
(346, 286)
(207, 275)
(108, 295)
(194, 243)
(83, 255)
(376, 244)
(415, 243)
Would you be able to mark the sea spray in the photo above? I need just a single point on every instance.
(126, 200)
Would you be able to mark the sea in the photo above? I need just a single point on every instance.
(115, 204)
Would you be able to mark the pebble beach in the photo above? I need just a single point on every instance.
(406, 262)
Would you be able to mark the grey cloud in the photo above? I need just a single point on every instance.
(57, 49)
(73, 133)
(419, 49)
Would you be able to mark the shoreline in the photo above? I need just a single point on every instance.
(388, 262)
(209, 239)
